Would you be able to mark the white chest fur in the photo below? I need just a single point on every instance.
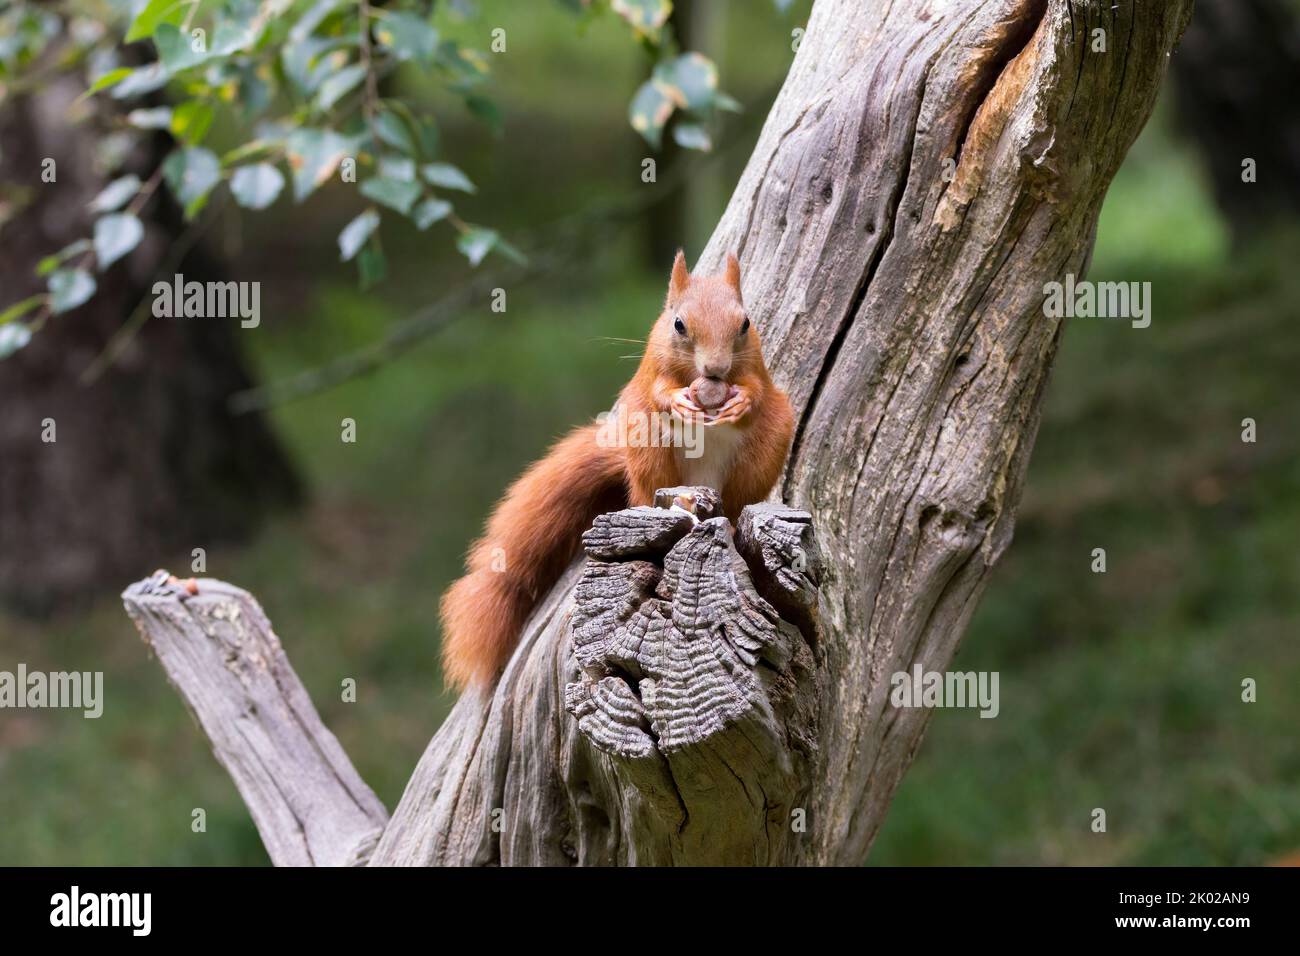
(717, 448)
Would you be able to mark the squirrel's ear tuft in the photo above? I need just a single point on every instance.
(733, 272)
(681, 277)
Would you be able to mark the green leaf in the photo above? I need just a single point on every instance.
(19, 309)
(313, 18)
(191, 174)
(476, 242)
(645, 16)
(426, 136)
(313, 61)
(393, 193)
(447, 176)
(254, 93)
(691, 80)
(176, 51)
(191, 120)
(116, 194)
(245, 151)
(14, 336)
(256, 186)
(113, 149)
(397, 167)
(393, 130)
(408, 37)
(692, 136)
(729, 103)
(115, 236)
(467, 67)
(401, 129)
(372, 265)
(50, 263)
(151, 15)
(355, 234)
(649, 110)
(510, 252)
(69, 288)
(231, 37)
(339, 85)
(160, 117)
(430, 211)
(144, 79)
(111, 78)
(484, 110)
(314, 154)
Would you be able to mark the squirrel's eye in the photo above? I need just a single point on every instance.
(744, 326)
(679, 325)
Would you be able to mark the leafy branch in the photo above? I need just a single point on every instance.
(302, 80)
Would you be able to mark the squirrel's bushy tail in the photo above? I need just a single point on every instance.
(530, 539)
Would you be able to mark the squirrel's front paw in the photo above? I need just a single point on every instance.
(683, 405)
(735, 408)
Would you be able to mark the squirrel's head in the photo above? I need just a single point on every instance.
(704, 329)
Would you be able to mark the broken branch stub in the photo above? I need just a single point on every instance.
(691, 677)
(310, 805)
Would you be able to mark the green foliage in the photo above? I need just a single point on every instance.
(69, 288)
(115, 235)
(256, 185)
(355, 234)
(14, 335)
(191, 174)
(116, 194)
(685, 84)
(301, 80)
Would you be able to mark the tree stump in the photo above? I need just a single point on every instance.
(694, 687)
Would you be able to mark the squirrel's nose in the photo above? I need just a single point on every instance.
(716, 369)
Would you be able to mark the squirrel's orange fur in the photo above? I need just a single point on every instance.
(536, 529)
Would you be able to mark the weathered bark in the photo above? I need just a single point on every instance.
(683, 667)
(902, 310)
(217, 647)
(903, 313)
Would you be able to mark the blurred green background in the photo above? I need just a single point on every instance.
(1119, 690)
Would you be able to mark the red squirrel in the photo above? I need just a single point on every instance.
(702, 336)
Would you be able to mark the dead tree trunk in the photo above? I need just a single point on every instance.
(925, 170)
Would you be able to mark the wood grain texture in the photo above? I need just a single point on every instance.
(217, 647)
(683, 697)
(926, 168)
(661, 712)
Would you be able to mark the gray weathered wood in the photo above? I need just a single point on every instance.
(926, 168)
(902, 310)
(682, 702)
(217, 647)
(694, 688)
